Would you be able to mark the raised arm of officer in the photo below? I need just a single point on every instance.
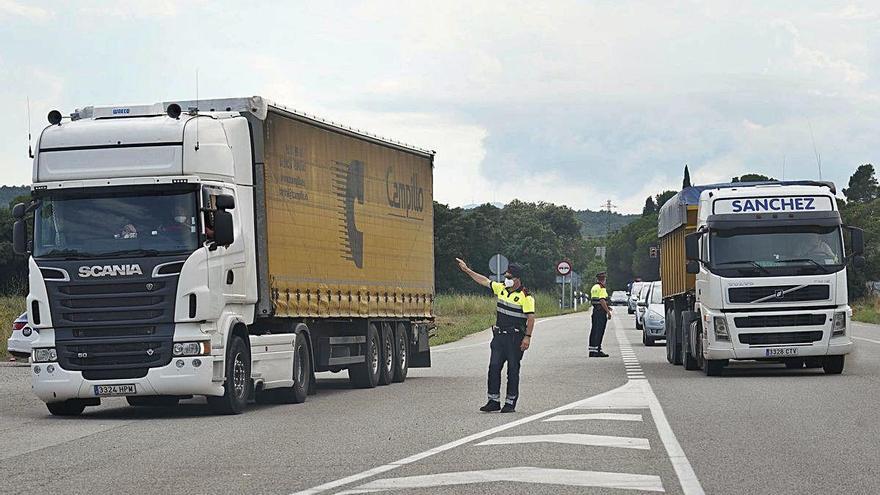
(480, 279)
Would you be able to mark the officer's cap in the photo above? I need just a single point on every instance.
(600, 275)
(515, 270)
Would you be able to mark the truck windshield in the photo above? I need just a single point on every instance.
(76, 224)
(776, 252)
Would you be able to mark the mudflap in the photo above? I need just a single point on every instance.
(421, 358)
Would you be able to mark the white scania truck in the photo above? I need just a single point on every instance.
(228, 251)
(757, 271)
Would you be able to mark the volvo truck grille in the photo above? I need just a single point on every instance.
(780, 338)
(779, 321)
(779, 293)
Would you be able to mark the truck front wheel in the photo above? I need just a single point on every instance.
(302, 372)
(71, 407)
(237, 387)
(833, 365)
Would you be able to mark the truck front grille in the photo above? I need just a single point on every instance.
(751, 294)
(130, 303)
(119, 355)
(801, 320)
(780, 338)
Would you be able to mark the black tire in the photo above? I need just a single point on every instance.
(152, 401)
(302, 371)
(638, 325)
(688, 359)
(670, 336)
(401, 353)
(386, 354)
(238, 384)
(71, 407)
(714, 367)
(833, 365)
(366, 374)
(794, 364)
(647, 341)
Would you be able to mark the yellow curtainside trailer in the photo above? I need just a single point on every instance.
(676, 281)
(349, 223)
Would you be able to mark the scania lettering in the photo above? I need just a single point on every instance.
(230, 251)
(757, 271)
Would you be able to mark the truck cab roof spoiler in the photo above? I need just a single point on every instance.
(731, 221)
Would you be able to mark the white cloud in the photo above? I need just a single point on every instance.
(30, 12)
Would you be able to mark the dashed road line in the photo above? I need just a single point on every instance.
(573, 439)
(596, 416)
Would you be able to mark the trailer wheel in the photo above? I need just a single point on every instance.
(70, 407)
(673, 337)
(366, 374)
(302, 371)
(401, 354)
(386, 374)
(237, 387)
(833, 365)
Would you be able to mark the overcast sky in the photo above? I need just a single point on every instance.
(568, 102)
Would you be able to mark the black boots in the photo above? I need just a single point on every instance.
(508, 408)
(492, 405)
(598, 354)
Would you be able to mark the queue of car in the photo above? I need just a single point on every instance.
(645, 301)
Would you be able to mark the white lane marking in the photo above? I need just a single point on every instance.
(443, 448)
(573, 439)
(866, 340)
(596, 416)
(690, 485)
(534, 475)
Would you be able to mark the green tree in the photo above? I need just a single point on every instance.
(663, 197)
(650, 207)
(687, 178)
(752, 178)
(862, 185)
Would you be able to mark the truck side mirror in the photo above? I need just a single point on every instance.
(857, 237)
(692, 267)
(692, 246)
(859, 262)
(224, 234)
(19, 237)
(19, 211)
(225, 202)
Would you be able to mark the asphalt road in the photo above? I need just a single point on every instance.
(629, 423)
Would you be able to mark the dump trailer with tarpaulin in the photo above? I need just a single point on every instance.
(756, 271)
(226, 248)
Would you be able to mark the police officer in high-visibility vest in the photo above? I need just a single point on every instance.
(601, 314)
(511, 334)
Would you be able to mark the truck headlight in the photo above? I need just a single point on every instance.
(721, 331)
(45, 354)
(838, 326)
(192, 348)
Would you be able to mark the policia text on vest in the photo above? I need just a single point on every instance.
(601, 313)
(511, 335)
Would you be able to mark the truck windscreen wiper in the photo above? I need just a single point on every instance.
(133, 252)
(796, 260)
(750, 262)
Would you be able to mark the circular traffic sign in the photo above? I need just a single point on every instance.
(498, 264)
(563, 268)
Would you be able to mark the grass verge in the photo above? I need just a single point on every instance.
(10, 308)
(867, 311)
(458, 316)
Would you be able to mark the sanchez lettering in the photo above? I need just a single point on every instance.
(757, 205)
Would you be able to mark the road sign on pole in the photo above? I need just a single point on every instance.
(563, 268)
(498, 264)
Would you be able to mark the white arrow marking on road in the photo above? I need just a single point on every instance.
(599, 416)
(567, 477)
(574, 439)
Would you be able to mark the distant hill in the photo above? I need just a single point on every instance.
(595, 223)
(474, 205)
(8, 193)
